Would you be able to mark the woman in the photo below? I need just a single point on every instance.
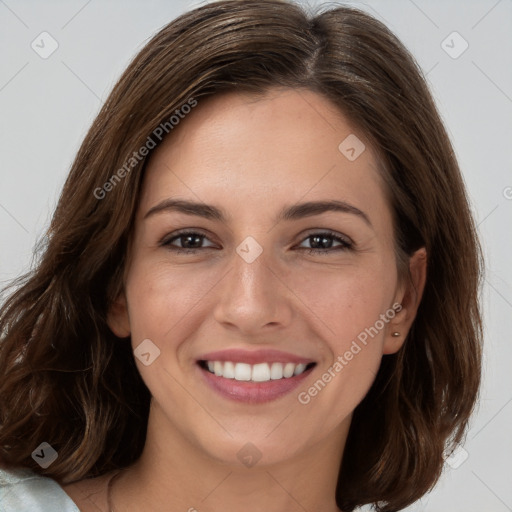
(259, 287)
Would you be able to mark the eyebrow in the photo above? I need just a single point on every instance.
(288, 213)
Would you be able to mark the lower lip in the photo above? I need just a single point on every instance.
(253, 392)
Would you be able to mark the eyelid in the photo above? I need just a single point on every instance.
(329, 232)
(345, 242)
(303, 236)
(165, 241)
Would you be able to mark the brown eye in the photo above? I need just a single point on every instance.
(190, 241)
(323, 243)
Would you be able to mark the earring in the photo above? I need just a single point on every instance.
(395, 334)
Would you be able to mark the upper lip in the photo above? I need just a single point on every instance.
(255, 356)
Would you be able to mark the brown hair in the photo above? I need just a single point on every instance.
(67, 379)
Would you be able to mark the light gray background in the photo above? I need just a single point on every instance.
(48, 104)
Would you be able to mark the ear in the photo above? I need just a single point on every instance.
(117, 318)
(409, 298)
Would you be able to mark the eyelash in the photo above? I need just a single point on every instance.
(346, 245)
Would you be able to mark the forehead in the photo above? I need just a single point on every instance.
(250, 152)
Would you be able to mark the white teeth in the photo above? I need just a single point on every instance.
(218, 368)
(242, 371)
(276, 371)
(299, 369)
(288, 370)
(229, 370)
(261, 372)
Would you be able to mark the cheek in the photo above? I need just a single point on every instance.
(333, 304)
(163, 307)
(161, 298)
(352, 307)
(337, 302)
(345, 300)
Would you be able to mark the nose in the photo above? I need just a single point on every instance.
(254, 298)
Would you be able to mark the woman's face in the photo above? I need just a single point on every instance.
(251, 294)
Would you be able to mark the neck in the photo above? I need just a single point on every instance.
(173, 471)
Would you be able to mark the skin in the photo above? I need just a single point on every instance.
(251, 157)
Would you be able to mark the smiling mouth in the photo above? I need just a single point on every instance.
(261, 372)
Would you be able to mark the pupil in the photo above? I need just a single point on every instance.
(316, 240)
(192, 237)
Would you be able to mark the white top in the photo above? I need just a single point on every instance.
(22, 490)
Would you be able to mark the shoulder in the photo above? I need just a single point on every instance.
(22, 490)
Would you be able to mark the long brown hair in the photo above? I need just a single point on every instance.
(66, 378)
